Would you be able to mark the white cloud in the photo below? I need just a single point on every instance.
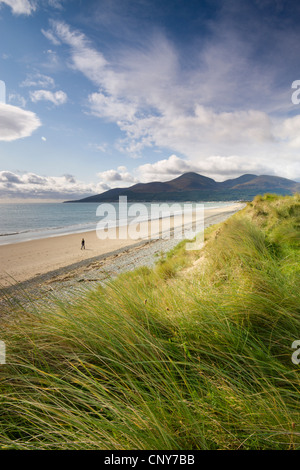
(20, 7)
(57, 98)
(38, 80)
(31, 185)
(2, 92)
(201, 111)
(289, 132)
(111, 108)
(9, 177)
(103, 147)
(16, 123)
(84, 58)
(56, 4)
(122, 168)
(27, 7)
(51, 37)
(53, 62)
(110, 103)
(144, 93)
(216, 167)
(201, 132)
(113, 176)
(17, 100)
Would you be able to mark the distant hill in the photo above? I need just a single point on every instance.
(194, 187)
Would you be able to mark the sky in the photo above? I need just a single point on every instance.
(98, 94)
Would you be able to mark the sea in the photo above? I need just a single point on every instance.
(24, 222)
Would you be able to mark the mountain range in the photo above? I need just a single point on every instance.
(194, 187)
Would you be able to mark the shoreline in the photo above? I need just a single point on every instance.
(38, 261)
(16, 237)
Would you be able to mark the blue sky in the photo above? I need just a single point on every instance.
(106, 93)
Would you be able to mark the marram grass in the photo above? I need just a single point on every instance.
(194, 354)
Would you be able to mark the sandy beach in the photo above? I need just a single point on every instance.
(24, 261)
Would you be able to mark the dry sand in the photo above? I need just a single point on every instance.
(20, 262)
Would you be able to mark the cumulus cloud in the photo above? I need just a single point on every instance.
(201, 132)
(215, 166)
(57, 97)
(289, 132)
(20, 7)
(30, 185)
(113, 176)
(9, 177)
(16, 123)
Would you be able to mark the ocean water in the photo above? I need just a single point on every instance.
(23, 222)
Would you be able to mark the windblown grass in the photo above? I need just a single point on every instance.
(165, 358)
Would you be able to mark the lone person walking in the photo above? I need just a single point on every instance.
(83, 244)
